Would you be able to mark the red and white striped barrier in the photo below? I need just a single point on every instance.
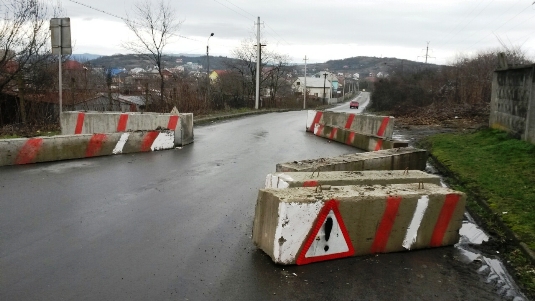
(44, 149)
(369, 125)
(305, 225)
(97, 122)
(350, 137)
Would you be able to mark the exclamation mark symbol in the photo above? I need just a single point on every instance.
(328, 228)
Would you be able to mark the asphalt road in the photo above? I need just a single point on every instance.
(363, 98)
(176, 225)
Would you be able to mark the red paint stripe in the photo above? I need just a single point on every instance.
(148, 140)
(444, 219)
(319, 132)
(379, 145)
(123, 120)
(173, 121)
(350, 121)
(79, 123)
(387, 222)
(316, 120)
(29, 151)
(311, 183)
(333, 133)
(382, 128)
(350, 138)
(95, 145)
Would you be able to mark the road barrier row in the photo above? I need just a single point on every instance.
(350, 137)
(75, 123)
(43, 149)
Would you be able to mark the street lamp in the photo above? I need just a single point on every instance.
(208, 62)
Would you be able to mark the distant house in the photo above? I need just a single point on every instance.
(330, 77)
(216, 74)
(314, 86)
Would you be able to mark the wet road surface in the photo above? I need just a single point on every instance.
(176, 225)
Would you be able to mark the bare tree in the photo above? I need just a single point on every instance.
(23, 43)
(153, 27)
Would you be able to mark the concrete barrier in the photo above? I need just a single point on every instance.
(75, 123)
(43, 149)
(370, 125)
(350, 137)
(390, 159)
(343, 178)
(303, 225)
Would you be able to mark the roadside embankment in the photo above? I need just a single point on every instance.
(497, 172)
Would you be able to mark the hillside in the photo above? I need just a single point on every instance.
(365, 65)
(131, 61)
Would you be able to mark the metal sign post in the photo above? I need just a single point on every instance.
(61, 44)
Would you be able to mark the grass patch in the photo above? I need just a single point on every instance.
(500, 168)
(33, 134)
(490, 165)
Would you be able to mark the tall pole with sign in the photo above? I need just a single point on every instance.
(61, 44)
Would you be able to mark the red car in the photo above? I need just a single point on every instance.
(353, 104)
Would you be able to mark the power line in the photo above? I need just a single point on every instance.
(480, 40)
(234, 10)
(125, 19)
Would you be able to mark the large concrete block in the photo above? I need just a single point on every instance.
(361, 141)
(114, 122)
(390, 159)
(370, 125)
(44, 149)
(283, 180)
(304, 225)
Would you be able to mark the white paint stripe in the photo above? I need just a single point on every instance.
(294, 223)
(120, 144)
(412, 230)
(316, 128)
(276, 182)
(310, 118)
(165, 140)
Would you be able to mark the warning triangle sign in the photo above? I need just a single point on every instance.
(328, 239)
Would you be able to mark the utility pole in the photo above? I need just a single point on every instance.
(305, 88)
(426, 53)
(258, 49)
(324, 80)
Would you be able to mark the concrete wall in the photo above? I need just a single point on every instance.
(512, 106)
(391, 159)
(113, 122)
(44, 149)
(291, 224)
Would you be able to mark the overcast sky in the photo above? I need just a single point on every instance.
(321, 30)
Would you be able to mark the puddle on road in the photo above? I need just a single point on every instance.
(492, 269)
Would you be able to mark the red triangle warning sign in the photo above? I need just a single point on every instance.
(328, 239)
